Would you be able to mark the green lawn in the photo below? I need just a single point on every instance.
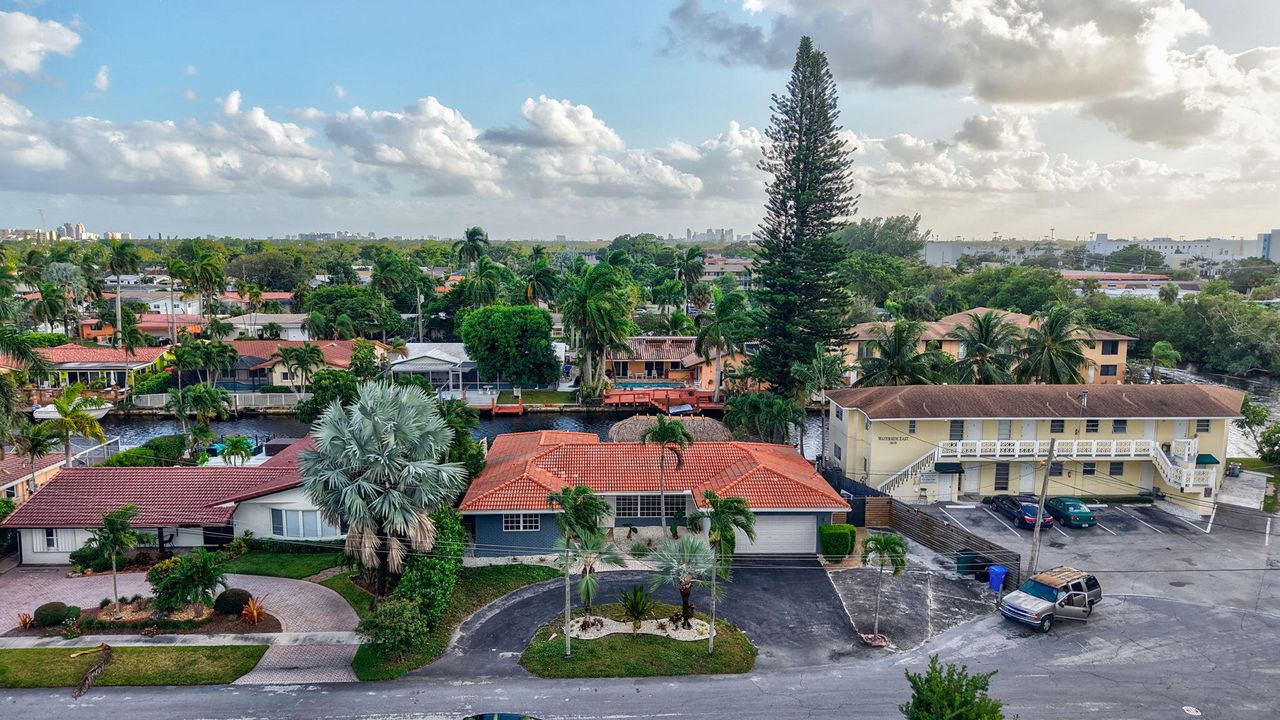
(1258, 465)
(638, 655)
(476, 588)
(46, 667)
(539, 397)
(286, 565)
(355, 596)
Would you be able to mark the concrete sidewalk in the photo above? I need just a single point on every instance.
(191, 640)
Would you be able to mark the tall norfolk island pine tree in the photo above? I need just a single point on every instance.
(801, 298)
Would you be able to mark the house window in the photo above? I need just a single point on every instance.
(631, 506)
(304, 524)
(627, 506)
(836, 449)
(1055, 469)
(1108, 371)
(59, 540)
(911, 427)
(1119, 427)
(521, 522)
(1057, 426)
(11, 491)
(1110, 347)
(839, 412)
(1116, 469)
(1002, 477)
(957, 430)
(1091, 426)
(1089, 468)
(1202, 426)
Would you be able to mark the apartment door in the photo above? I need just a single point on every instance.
(945, 481)
(1028, 430)
(972, 471)
(1179, 429)
(1026, 477)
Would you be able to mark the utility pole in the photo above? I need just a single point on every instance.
(1044, 490)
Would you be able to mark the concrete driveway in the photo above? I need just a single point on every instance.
(786, 606)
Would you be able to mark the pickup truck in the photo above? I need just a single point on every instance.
(1061, 593)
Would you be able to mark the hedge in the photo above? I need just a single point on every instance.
(274, 389)
(429, 579)
(296, 548)
(837, 541)
(44, 340)
(162, 451)
(155, 383)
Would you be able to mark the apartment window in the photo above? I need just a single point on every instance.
(1110, 347)
(301, 524)
(1108, 371)
(1057, 426)
(521, 522)
(1116, 469)
(836, 449)
(1055, 469)
(1089, 468)
(1091, 426)
(1202, 426)
(1002, 477)
(1119, 427)
(957, 430)
(1004, 429)
(865, 465)
(839, 412)
(911, 427)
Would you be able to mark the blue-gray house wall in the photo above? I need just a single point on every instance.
(493, 541)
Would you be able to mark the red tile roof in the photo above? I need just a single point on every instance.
(337, 353)
(72, 353)
(160, 321)
(14, 466)
(522, 468)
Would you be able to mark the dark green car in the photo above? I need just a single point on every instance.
(1071, 512)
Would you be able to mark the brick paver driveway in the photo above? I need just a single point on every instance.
(301, 606)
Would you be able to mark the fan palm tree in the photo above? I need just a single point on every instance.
(238, 450)
(718, 332)
(897, 359)
(376, 471)
(1053, 352)
(668, 435)
(122, 257)
(725, 517)
(990, 345)
(540, 282)
(114, 538)
(684, 563)
(597, 306)
(884, 550)
(1163, 355)
(73, 408)
(690, 266)
(586, 553)
(473, 246)
(822, 372)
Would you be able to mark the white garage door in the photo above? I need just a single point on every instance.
(794, 534)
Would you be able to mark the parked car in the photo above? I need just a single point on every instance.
(1060, 593)
(1021, 509)
(1070, 511)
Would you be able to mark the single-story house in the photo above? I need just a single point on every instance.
(19, 477)
(446, 365)
(178, 507)
(99, 366)
(292, 325)
(507, 502)
(255, 367)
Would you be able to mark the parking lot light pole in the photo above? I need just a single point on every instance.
(1044, 491)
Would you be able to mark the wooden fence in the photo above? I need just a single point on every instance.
(940, 536)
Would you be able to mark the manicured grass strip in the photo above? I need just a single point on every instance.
(539, 397)
(638, 655)
(47, 667)
(355, 595)
(286, 565)
(476, 588)
(1269, 503)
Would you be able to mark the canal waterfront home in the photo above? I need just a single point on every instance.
(941, 442)
(255, 366)
(657, 358)
(104, 370)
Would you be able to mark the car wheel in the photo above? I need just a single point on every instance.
(1046, 623)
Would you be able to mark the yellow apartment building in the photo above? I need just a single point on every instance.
(925, 443)
(1108, 356)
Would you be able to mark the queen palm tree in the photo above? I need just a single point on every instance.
(1163, 355)
(377, 471)
(1054, 349)
(684, 563)
(725, 517)
(73, 408)
(884, 550)
(122, 257)
(690, 266)
(597, 306)
(668, 435)
(473, 245)
(114, 538)
(990, 345)
(238, 450)
(897, 359)
(719, 330)
(822, 372)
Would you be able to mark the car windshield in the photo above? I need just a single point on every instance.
(1039, 590)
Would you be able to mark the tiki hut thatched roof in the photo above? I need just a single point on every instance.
(703, 429)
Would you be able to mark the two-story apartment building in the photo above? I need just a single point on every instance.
(1107, 358)
(940, 442)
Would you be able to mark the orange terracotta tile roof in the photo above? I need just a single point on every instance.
(522, 468)
(72, 353)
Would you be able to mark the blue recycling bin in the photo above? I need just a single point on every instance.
(995, 576)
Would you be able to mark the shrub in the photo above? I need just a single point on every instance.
(167, 449)
(275, 389)
(255, 611)
(158, 577)
(232, 601)
(187, 579)
(155, 383)
(133, 457)
(50, 614)
(639, 550)
(73, 612)
(636, 603)
(429, 580)
(238, 547)
(295, 548)
(44, 340)
(837, 541)
(103, 603)
(91, 557)
(396, 628)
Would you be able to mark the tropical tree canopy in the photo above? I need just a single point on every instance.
(896, 357)
(1054, 349)
(990, 344)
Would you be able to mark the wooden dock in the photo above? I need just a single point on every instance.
(668, 400)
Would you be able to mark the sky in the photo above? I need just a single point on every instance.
(593, 118)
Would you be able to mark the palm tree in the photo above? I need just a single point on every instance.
(251, 296)
(582, 512)
(823, 371)
(667, 435)
(317, 326)
(344, 328)
(207, 402)
(897, 359)
(69, 280)
(762, 416)
(271, 331)
(179, 403)
(74, 418)
(15, 347)
(308, 358)
(679, 324)
(689, 269)
(216, 356)
(884, 550)
(718, 332)
(1163, 355)
(586, 553)
(237, 448)
(473, 246)
(50, 305)
(114, 538)
(684, 563)
(1054, 349)
(206, 273)
(201, 437)
(179, 271)
(287, 355)
(376, 471)
(990, 345)
(485, 282)
(597, 306)
(700, 295)
(34, 441)
(725, 517)
(186, 356)
(122, 257)
(539, 282)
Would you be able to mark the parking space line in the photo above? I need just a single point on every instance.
(1192, 524)
(1104, 527)
(1268, 540)
(1212, 515)
(1144, 522)
(997, 517)
(954, 520)
(1061, 532)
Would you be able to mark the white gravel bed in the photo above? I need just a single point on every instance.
(701, 630)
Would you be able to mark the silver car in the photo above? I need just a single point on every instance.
(1060, 593)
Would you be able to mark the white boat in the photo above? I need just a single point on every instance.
(49, 412)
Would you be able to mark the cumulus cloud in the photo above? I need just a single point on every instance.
(102, 81)
(558, 123)
(1001, 131)
(25, 41)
